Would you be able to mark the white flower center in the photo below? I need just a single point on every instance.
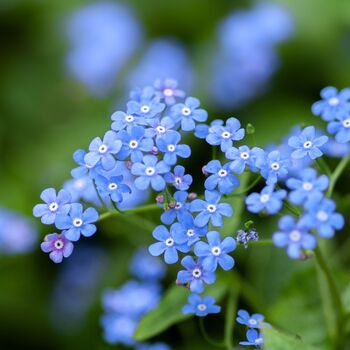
(226, 135)
(244, 155)
(346, 123)
(202, 307)
(222, 173)
(264, 198)
(186, 111)
(295, 236)
(145, 109)
(112, 186)
(196, 273)
(171, 148)
(133, 144)
(307, 186)
(53, 206)
(77, 222)
(178, 180)
(150, 171)
(307, 144)
(169, 242)
(211, 208)
(160, 129)
(103, 149)
(252, 322)
(58, 244)
(275, 166)
(322, 215)
(334, 101)
(168, 92)
(216, 251)
(178, 205)
(129, 118)
(190, 232)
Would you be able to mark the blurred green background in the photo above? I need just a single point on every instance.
(46, 115)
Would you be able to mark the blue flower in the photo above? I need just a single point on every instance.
(272, 167)
(216, 252)
(242, 157)
(113, 187)
(201, 306)
(122, 120)
(221, 178)
(179, 179)
(203, 130)
(335, 149)
(177, 210)
(77, 222)
(195, 274)
(54, 204)
(306, 186)
(294, 236)
(167, 89)
(147, 104)
(134, 143)
(171, 149)
(187, 227)
(267, 199)
(188, 113)
(58, 246)
(210, 209)
(334, 105)
(307, 144)
(253, 321)
(149, 173)
(341, 128)
(169, 243)
(254, 338)
(225, 135)
(103, 150)
(320, 215)
(159, 128)
(83, 169)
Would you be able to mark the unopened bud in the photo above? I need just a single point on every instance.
(191, 196)
(250, 129)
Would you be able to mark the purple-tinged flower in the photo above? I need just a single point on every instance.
(254, 338)
(167, 90)
(225, 135)
(243, 157)
(149, 173)
(122, 120)
(103, 150)
(268, 200)
(307, 144)
(169, 243)
(171, 149)
(159, 127)
(195, 274)
(58, 246)
(113, 187)
(210, 209)
(177, 210)
(179, 179)
(333, 104)
(295, 236)
(188, 113)
(54, 204)
(221, 179)
(251, 321)
(201, 306)
(77, 222)
(216, 252)
(341, 128)
(306, 186)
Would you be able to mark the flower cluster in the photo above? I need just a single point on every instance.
(126, 305)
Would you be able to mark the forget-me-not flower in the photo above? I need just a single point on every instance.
(341, 128)
(113, 187)
(243, 157)
(177, 210)
(201, 306)
(179, 179)
(58, 246)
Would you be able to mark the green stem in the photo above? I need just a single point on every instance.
(206, 336)
(336, 174)
(295, 211)
(323, 166)
(230, 317)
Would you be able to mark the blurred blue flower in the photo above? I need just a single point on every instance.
(341, 128)
(254, 338)
(168, 90)
(201, 306)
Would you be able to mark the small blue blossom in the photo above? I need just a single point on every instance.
(171, 149)
(243, 157)
(203, 130)
(159, 128)
(54, 204)
(195, 274)
(103, 150)
(82, 189)
(221, 179)
(201, 306)
(216, 252)
(169, 243)
(134, 143)
(307, 144)
(253, 321)
(122, 120)
(149, 173)
(83, 169)
(113, 187)
(320, 215)
(58, 246)
(77, 222)
(306, 186)
(167, 90)
(177, 210)
(225, 135)
(254, 338)
(333, 104)
(179, 179)
(335, 149)
(267, 199)
(341, 128)
(294, 236)
(210, 209)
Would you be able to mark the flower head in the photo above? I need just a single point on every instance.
(58, 246)
(179, 179)
(201, 306)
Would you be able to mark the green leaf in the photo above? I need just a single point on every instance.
(169, 311)
(275, 340)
